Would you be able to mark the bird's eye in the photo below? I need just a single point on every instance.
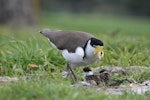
(101, 53)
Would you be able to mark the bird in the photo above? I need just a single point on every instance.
(102, 77)
(89, 77)
(86, 72)
(78, 48)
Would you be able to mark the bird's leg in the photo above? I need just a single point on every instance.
(71, 73)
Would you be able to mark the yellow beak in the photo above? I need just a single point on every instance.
(98, 50)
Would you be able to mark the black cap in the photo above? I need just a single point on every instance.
(95, 41)
(87, 69)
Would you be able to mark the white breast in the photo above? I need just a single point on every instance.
(73, 58)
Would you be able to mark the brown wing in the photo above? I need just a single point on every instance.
(69, 40)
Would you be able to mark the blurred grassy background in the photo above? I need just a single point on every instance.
(23, 51)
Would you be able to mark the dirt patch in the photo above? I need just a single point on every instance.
(4, 79)
(124, 83)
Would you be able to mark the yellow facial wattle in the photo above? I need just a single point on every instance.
(98, 50)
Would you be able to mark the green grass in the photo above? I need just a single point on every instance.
(36, 89)
(24, 51)
(46, 89)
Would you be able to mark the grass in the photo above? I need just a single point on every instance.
(23, 51)
(36, 89)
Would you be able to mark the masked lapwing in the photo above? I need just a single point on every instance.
(89, 77)
(86, 72)
(78, 48)
(102, 77)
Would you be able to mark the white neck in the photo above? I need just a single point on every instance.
(89, 50)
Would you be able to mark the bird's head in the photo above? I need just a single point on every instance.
(87, 71)
(98, 47)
